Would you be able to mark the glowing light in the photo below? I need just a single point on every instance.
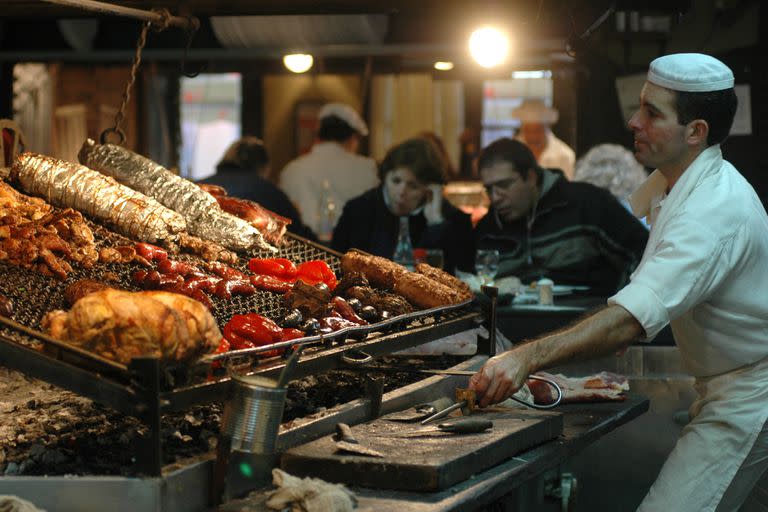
(532, 74)
(443, 65)
(298, 62)
(245, 469)
(488, 46)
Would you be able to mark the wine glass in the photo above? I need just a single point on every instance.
(487, 265)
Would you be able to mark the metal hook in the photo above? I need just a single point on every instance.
(194, 25)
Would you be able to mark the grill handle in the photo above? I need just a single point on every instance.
(356, 357)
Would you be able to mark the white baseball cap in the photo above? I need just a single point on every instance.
(690, 72)
(346, 114)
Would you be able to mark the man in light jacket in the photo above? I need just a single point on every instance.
(536, 120)
(322, 181)
(702, 272)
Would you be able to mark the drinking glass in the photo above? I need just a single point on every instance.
(487, 265)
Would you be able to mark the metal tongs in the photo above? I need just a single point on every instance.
(470, 373)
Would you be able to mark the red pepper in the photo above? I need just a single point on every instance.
(224, 271)
(277, 267)
(291, 334)
(271, 283)
(236, 341)
(178, 267)
(151, 252)
(315, 272)
(223, 347)
(345, 310)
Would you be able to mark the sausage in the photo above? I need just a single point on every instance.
(80, 289)
(443, 277)
(425, 292)
(379, 271)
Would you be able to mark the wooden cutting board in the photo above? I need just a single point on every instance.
(429, 462)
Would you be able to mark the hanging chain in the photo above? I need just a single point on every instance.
(120, 116)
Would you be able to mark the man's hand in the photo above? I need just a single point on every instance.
(500, 377)
(433, 210)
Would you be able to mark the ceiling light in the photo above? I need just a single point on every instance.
(298, 62)
(443, 65)
(488, 46)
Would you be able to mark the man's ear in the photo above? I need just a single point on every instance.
(696, 132)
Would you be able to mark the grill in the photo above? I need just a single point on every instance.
(146, 388)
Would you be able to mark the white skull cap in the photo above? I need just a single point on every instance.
(346, 114)
(690, 72)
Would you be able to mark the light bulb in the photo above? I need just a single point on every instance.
(488, 46)
(298, 62)
(443, 65)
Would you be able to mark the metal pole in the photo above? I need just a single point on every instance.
(119, 10)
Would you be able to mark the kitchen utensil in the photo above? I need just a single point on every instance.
(465, 400)
(420, 411)
(461, 426)
(346, 442)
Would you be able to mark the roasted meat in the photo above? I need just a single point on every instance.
(121, 325)
(381, 301)
(424, 292)
(379, 271)
(80, 289)
(443, 277)
(312, 301)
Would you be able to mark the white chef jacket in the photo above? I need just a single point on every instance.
(556, 155)
(349, 175)
(703, 271)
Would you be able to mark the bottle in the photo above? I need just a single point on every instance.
(404, 249)
(326, 213)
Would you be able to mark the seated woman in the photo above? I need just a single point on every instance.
(411, 176)
(242, 172)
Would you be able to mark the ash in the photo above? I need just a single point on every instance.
(46, 430)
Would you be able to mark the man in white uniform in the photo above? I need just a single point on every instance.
(536, 120)
(322, 181)
(703, 271)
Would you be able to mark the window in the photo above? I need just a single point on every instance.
(501, 97)
(210, 121)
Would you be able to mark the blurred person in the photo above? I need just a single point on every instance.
(331, 173)
(612, 167)
(450, 172)
(545, 226)
(242, 173)
(412, 175)
(536, 120)
(702, 273)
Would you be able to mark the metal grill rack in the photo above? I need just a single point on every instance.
(146, 388)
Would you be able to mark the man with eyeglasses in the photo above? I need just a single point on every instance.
(546, 226)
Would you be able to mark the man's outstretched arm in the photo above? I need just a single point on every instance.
(607, 331)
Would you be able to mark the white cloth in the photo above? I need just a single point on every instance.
(557, 155)
(349, 175)
(702, 272)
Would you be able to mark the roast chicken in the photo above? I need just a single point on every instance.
(121, 325)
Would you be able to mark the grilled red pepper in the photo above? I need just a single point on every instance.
(277, 267)
(255, 330)
(223, 347)
(291, 334)
(151, 252)
(236, 341)
(271, 283)
(315, 272)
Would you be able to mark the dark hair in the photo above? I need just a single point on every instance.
(717, 108)
(420, 156)
(440, 147)
(510, 151)
(335, 129)
(247, 153)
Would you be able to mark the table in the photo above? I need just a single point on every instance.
(525, 321)
(584, 424)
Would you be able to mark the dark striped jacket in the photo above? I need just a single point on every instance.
(580, 234)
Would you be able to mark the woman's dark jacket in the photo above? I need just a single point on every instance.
(366, 223)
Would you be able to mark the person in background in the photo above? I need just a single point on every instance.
(536, 120)
(612, 167)
(411, 175)
(703, 272)
(242, 172)
(545, 226)
(450, 172)
(332, 173)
